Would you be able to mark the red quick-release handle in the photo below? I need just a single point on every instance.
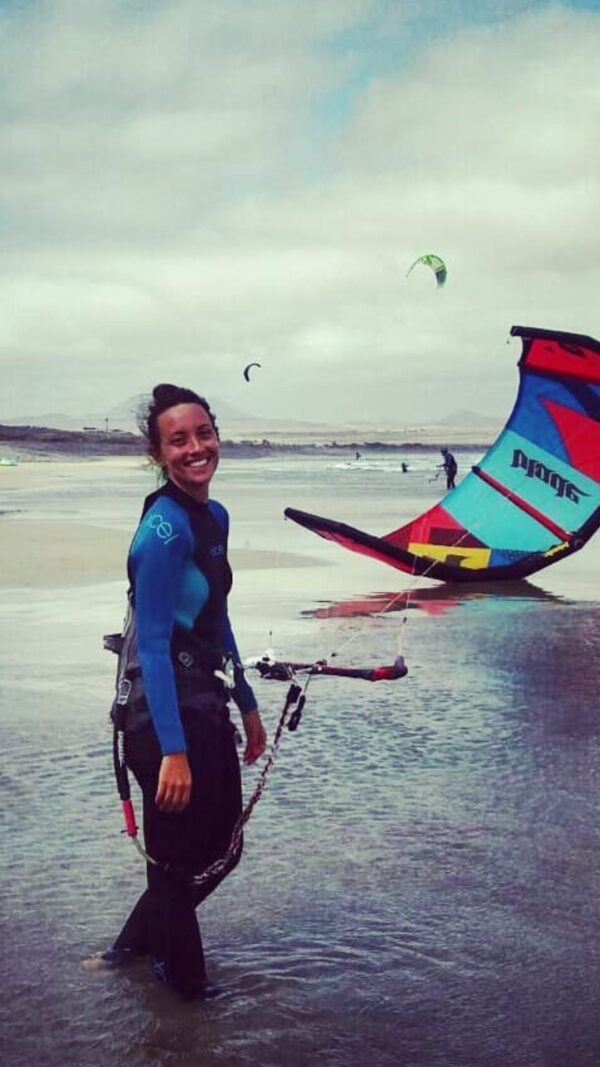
(129, 817)
(387, 674)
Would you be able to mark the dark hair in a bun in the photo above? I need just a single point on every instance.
(165, 396)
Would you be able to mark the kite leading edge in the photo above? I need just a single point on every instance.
(534, 497)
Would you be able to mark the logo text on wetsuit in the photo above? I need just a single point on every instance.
(534, 468)
(162, 528)
(217, 550)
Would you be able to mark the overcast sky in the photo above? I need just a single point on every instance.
(190, 185)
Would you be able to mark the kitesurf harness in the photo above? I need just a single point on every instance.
(129, 712)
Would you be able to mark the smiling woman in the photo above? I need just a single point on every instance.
(171, 706)
(184, 440)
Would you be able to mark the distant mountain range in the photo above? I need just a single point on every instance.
(470, 420)
(124, 417)
(237, 424)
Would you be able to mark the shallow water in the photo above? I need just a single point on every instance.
(419, 886)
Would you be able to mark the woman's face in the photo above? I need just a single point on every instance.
(189, 448)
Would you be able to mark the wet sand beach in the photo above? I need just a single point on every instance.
(420, 881)
(67, 555)
(59, 554)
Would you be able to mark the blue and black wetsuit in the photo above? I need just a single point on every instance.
(180, 578)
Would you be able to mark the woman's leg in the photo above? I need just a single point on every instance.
(134, 935)
(163, 922)
(217, 797)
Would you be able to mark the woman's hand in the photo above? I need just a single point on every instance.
(174, 783)
(256, 737)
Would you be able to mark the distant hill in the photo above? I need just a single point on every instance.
(460, 427)
(121, 417)
(469, 420)
(232, 422)
(124, 415)
(56, 421)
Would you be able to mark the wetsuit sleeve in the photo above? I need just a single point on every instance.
(158, 564)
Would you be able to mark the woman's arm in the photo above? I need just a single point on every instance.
(243, 695)
(256, 737)
(174, 783)
(157, 563)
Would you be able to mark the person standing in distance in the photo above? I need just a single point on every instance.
(450, 467)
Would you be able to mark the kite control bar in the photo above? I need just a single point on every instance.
(283, 671)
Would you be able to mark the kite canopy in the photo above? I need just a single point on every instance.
(247, 370)
(437, 265)
(533, 499)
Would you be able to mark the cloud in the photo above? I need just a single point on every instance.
(180, 195)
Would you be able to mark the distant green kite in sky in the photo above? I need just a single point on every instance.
(437, 265)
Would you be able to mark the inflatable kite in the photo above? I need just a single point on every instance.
(533, 499)
(247, 370)
(437, 265)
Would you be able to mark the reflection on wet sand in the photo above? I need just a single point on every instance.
(433, 600)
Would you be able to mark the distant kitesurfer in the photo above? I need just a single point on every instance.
(450, 467)
(179, 741)
(357, 456)
(404, 467)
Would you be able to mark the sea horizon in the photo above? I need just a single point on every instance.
(31, 442)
